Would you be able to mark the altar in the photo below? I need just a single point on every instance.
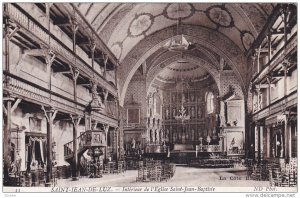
(234, 140)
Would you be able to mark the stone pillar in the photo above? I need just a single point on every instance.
(75, 164)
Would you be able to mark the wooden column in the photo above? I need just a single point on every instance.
(93, 47)
(75, 74)
(287, 140)
(105, 93)
(7, 106)
(284, 12)
(106, 128)
(269, 37)
(6, 48)
(49, 58)
(247, 127)
(269, 78)
(116, 131)
(75, 119)
(105, 59)
(50, 114)
(88, 121)
(7, 138)
(74, 25)
(259, 142)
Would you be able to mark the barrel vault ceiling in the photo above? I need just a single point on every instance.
(136, 33)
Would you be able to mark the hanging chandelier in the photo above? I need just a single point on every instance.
(178, 43)
(183, 116)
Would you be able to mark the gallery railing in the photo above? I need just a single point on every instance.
(41, 95)
(26, 22)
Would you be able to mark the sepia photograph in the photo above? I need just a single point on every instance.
(174, 97)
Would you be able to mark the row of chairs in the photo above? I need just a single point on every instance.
(35, 178)
(154, 170)
(285, 175)
(278, 173)
(114, 167)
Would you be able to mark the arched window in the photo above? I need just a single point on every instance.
(210, 102)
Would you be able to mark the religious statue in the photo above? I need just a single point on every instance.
(183, 97)
(167, 113)
(96, 102)
(17, 164)
(133, 143)
(167, 134)
(162, 135)
(173, 98)
(192, 97)
(199, 112)
(192, 134)
(174, 112)
(193, 112)
(151, 136)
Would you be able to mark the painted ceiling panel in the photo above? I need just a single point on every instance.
(126, 25)
(94, 12)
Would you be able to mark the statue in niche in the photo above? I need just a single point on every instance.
(199, 112)
(193, 112)
(174, 112)
(187, 135)
(173, 98)
(161, 135)
(167, 133)
(151, 136)
(167, 113)
(192, 134)
(183, 97)
(186, 97)
(183, 135)
(96, 102)
(198, 98)
(133, 143)
(192, 97)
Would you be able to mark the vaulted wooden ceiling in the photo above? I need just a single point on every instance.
(123, 25)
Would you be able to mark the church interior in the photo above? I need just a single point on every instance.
(186, 93)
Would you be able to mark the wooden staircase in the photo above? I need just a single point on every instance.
(86, 140)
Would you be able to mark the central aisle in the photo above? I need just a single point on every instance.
(184, 176)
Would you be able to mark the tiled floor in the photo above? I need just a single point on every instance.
(184, 176)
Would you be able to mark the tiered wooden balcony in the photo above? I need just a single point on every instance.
(37, 94)
(278, 58)
(34, 89)
(32, 28)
